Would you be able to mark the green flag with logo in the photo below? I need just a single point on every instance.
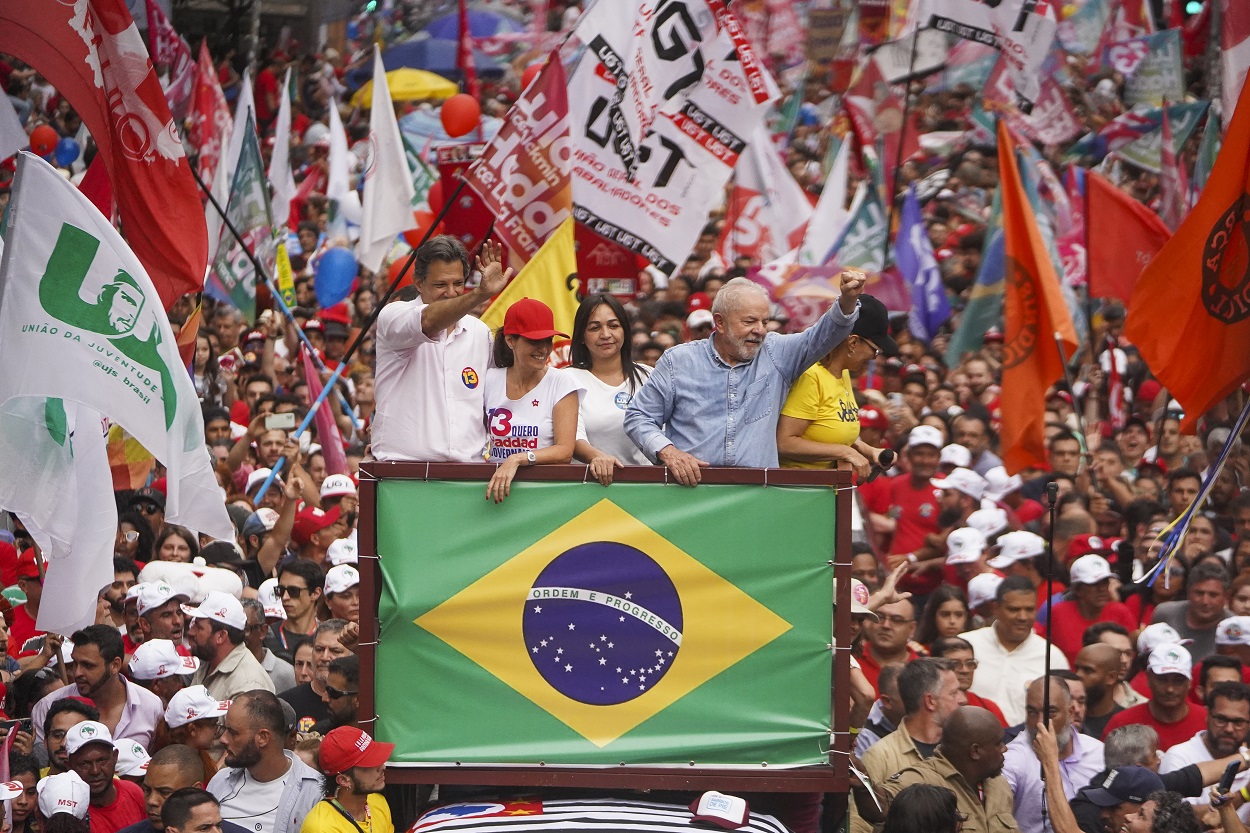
(233, 276)
(584, 626)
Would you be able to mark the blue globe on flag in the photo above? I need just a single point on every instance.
(602, 623)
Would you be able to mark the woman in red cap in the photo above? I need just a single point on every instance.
(531, 409)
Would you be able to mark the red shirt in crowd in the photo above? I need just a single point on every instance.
(130, 807)
(1068, 625)
(872, 670)
(915, 513)
(1170, 734)
(266, 90)
(23, 628)
(989, 705)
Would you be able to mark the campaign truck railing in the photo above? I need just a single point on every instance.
(640, 635)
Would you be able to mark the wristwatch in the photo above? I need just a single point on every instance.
(533, 460)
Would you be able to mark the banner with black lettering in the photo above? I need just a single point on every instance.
(660, 108)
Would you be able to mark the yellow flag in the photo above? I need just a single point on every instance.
(550, 277)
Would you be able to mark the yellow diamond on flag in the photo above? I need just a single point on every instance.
(603, 623)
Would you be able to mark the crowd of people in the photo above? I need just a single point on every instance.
(219, 686)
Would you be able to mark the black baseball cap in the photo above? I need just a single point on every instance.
(1126, 783)
(874, 324)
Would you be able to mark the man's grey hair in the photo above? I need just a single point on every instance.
(729, 296)
(330, 626)
(442, 249)
(253, 604)
(1130, 745)
(920, 677)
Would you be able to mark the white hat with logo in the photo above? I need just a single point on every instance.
(1017, 546)
(989, 521)
(1090, 569)
(924, 435)
(220, 607)
(964, 545)
(132, 758)
(64, 792)
(153, 594)
(267, 594)
(1160, 633)
(89, 731)
(156, 659)
(965, 481)
(1171, 658)
(193, 703)
(342, 551)
(983, 588)
(955, 455)
(1235, 630)
(341, 578)
(337, 485)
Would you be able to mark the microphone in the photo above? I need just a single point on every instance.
(884, 460)
(1052, 493)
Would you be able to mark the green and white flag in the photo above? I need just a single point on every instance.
(81, 321)
(233, 277)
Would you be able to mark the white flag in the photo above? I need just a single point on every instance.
(388, 181)
(338, 189)
(280, 177)
(831, 214)
(81, 321)
(769, 210)
(245, 104)
(57, 481)
(12, 135)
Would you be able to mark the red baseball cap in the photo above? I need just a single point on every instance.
(312, 519)
(1088, 544)
(873, 417)
(338, 312)
(346, 747)
(532, 319)
(698, 300)
(27, 567)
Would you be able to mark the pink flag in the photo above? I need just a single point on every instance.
(1173, 183)
(171, 51)
(327, 429)
(1234, 52)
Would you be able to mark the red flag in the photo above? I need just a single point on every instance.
(327, 429)
(210, 117)
(1190, 315)
(96, 187)
(1123, 236)
(521, 176)
(1036, 318)
(464, 54)
(91, 52)
(1173, 183)
(172, 52)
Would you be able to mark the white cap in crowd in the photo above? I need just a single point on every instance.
(1017, 546)
(193, 703)
(220, 607)
(964, 545)
(258, 477)
(89, 731)
(983, 588)
(955, 455)
(1089, 569)
(156, 659)
(337, 485)
(966, 481)
(989, 521)
(132, 758)
(267, 594)
(341, 578)
(1235, 630)
(1171, 658)
(341, 551)
(64, 792)
(1160, 633)
(998, 484)
(153, 594)
(924, 435)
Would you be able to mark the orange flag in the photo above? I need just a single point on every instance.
(1190, 315)
(1123, 237)
(187, 334)
(1036, 318)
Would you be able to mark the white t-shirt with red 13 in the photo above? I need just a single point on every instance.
(518, 425)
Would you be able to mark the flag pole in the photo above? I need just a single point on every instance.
(898, 153)
(277, 295)
(331, 383)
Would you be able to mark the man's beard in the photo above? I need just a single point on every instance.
(950, 517)
(249, 756)
(359, 788)
(743, 350)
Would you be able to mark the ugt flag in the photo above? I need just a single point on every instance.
(81, 320)
(599, 631)
(914, 255)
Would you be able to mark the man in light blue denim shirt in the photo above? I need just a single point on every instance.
(715, 402)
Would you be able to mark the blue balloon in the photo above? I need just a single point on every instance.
(336, 271)
(67, 151)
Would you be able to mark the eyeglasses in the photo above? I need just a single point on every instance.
(130, 536)
(289, 590)
(876, 351)
(338, 693)
(896, 620)
(147, 508)
(970, 664)
(1238, 723)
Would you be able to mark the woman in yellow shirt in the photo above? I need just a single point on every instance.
(819, 423)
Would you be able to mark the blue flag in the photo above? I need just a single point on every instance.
(914, 255)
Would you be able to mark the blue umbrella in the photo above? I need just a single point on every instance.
(422, 125)
(482, 24)
(439, 56)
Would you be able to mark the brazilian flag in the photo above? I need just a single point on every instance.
(578, 625)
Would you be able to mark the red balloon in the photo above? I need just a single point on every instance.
(43, 140)
(531, 72)
(413, 236)
(460, 114)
